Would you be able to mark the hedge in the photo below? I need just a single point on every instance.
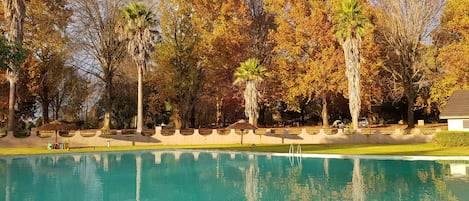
(452, 138)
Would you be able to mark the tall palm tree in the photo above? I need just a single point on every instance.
(250, 73)
(14, 12)
(350, 25)
(136, 28)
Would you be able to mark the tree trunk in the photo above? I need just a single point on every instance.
(177, 119)
(45, 112)
(410, 109)
(219, 111)
(250, 102)
(410, 94)
(11, 104)
(302, 117)
(410, 115)
(324, 113)
(56, 113)
(45, 102)
(108, 106)
(14, 11)
(253, 120)
(140, 100)
(192, 117)
(352, 62)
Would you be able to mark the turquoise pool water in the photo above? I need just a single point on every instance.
(205, 176)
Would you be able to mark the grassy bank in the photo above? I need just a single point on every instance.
(346, 149)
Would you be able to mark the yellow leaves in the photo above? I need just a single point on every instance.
(456, 17)
(454, 71)
(309, 60)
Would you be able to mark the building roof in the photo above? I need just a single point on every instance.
(457, 106)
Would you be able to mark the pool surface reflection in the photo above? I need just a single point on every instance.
(204, 176)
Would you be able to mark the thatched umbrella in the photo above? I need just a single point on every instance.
(242, 125)
(57, 126)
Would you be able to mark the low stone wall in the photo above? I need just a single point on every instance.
(160, 136)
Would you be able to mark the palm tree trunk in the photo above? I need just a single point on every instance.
(352, 62)
(358, 186)
(251, 106)
(140, 100)
(14, 11)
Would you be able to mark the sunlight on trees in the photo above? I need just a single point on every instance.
(379, 56)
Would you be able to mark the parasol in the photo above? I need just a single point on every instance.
(242, 125)
(57, 126)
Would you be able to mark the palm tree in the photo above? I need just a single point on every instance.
(350, 24)
(251, 73)
(14, 11)
(136, 29)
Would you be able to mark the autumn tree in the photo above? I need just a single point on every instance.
(452, 47)
(307, 55)
(14, 12)
(370, 64)
(260, 23)
(124, 105)
(45, 26)
(225, 43)
(405, 26)
(95, 36)
(72, 92)
(179, 60)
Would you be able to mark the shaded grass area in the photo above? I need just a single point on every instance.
(429, 149)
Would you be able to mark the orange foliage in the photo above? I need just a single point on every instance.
(309, 60)
(454, 71)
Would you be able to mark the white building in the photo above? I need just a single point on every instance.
(457, 111)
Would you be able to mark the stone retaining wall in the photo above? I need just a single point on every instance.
(160, 136)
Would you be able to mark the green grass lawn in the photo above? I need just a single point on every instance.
(429, 149)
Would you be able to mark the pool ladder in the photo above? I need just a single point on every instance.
(295, 155)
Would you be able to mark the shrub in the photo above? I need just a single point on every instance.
(452, 138)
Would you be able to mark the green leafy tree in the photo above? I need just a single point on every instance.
(11, 53)
(251, 73)
(350, 25)
(181, 72)
(137, 23)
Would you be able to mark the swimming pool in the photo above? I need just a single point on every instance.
(203, 176)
